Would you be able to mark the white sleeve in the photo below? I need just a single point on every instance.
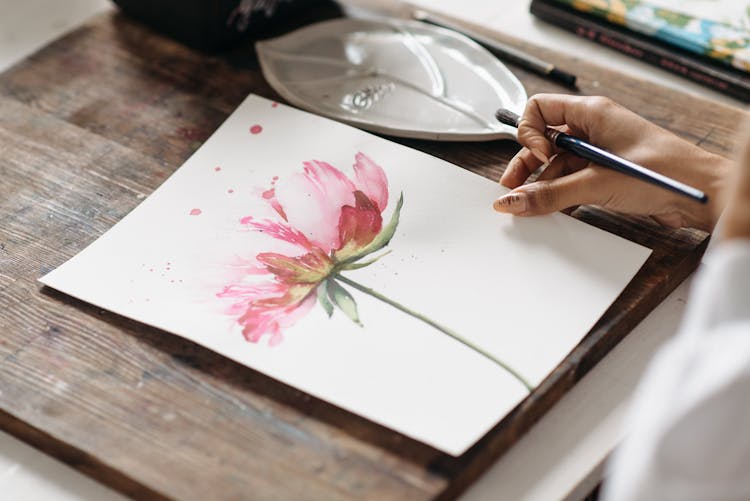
(689, 426)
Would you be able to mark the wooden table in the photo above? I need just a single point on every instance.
(89, 127)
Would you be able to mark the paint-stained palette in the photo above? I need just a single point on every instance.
(402, 78)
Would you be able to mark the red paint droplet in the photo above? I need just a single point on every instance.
(195, 212)
(274, 104)
(230, 190)
(217, 169)
(256, 129)
(246, 220)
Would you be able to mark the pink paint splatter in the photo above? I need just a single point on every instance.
(256, 129)
(217, 169)
(230, 190)
(274, 104)
(246, 220)
(195, 212)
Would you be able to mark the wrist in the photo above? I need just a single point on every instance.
(736, 223)
(710, 175)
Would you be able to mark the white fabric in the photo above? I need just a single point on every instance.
(689, 428)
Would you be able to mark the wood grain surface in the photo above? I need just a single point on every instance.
(90, 126)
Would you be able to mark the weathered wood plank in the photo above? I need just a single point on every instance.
(91, 125)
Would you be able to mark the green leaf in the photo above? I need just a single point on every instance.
(356, 266)
(384, 237)
(323, 299)
(344, 301)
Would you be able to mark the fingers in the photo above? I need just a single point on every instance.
(562, 164)
(547, 196)
(520, 168)
(577, 112)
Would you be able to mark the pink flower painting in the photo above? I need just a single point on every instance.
(330, 223)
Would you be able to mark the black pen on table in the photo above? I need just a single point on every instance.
(506, 52)
(607, 159)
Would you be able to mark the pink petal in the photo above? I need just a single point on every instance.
(280, 231)
(312, 201)
(371, 180)
(358, 225)
(243, 295)
(270, 196)
(264, 313)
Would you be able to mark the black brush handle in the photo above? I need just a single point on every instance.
(562, 77)
(612, 161)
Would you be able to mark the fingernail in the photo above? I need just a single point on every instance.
(512, 203)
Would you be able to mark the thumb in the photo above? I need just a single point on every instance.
(544, 197)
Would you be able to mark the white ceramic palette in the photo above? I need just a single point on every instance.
(402, 78)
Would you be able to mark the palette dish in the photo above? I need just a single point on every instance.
(395, 77)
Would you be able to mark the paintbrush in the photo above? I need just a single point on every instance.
(503, 51)
(606, 159)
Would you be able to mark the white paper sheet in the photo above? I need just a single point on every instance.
(525, 290)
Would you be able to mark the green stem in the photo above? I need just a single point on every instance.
(436, 325)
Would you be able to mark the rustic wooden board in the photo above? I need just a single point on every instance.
(89, 126)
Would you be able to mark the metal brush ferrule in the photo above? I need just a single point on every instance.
(552, 134)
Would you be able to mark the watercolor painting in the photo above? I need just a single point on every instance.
(361, 272)
(336, 224)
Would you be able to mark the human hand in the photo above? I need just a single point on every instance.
(570, 181)
(736, 220)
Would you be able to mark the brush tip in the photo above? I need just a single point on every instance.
(507, 117)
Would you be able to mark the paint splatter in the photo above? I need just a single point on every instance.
(246, 220)
(274, 104)
(230, 191)
(217, 169)
(256, 129)
(195, 212)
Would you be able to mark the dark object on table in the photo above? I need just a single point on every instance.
(212, 25)
(503, 51)
(702, 70)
